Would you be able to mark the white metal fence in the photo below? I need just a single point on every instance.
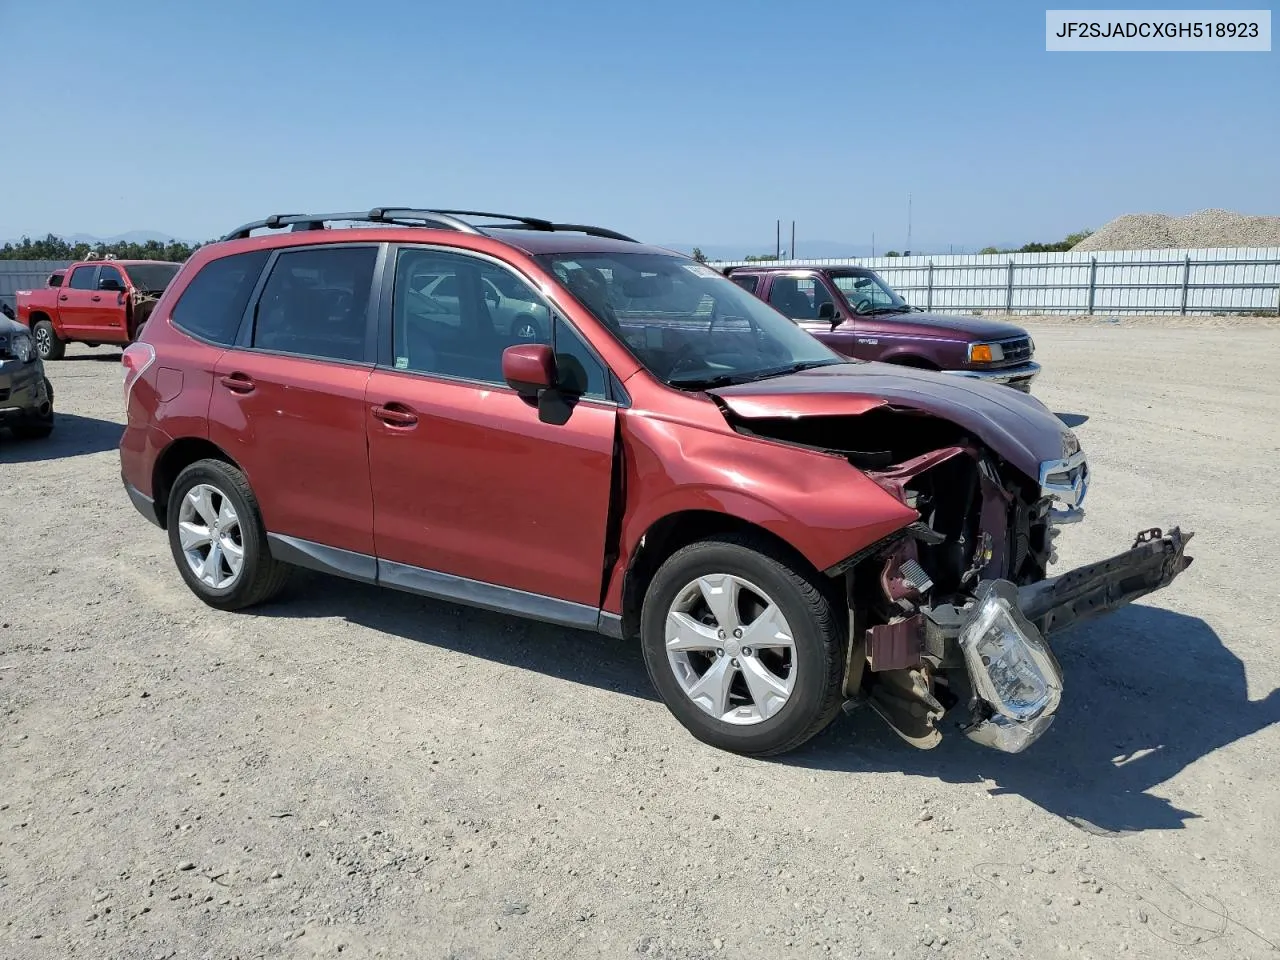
(1228, 280)
(23, 275)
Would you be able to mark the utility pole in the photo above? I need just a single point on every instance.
(908, 222)
(793, 239)
(777, 244)
(873, 244)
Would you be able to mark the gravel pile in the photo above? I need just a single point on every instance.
(1206, 228)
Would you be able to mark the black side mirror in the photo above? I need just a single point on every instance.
(827, 312)
(110, 284)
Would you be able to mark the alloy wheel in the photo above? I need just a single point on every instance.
(211, 537)
(731, 649)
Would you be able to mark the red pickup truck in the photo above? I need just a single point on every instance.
(93, 302)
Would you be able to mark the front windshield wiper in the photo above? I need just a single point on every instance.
(900, 308)
(730, 379)
(795, 368)
(708, 383)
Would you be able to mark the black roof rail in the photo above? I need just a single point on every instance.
(316, 221)
(445, 219)
(570, 228)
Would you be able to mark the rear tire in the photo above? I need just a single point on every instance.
(213, 516)
(48, 344)
(787, 689)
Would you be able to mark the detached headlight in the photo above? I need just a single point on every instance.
(1010, 665)
(985, 352)
(22, 347)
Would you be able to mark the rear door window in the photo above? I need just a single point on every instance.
(213, 303)
(82, 278)
(316, 303)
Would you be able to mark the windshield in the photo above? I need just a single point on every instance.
(687, 324)
(152, 277)
(867, 293)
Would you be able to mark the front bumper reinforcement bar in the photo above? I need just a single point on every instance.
(998, 640)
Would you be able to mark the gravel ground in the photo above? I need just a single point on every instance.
(1204, 228)
(357, 772)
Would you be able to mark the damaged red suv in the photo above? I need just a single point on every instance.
(558, 422)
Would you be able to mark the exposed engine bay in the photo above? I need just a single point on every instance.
(954, 608)
(138, 310)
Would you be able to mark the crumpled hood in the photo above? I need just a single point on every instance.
(1015, 425)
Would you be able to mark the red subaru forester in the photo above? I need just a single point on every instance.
(558, 422)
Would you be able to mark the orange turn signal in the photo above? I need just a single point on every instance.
(980, 353)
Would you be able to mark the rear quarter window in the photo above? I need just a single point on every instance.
(746, 283)
(213, 303)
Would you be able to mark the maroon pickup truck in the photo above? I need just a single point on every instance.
(854, 312)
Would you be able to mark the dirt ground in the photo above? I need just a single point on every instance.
(358, 772)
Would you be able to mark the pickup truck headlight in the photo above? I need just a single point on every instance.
(22, 347)
(985, 352)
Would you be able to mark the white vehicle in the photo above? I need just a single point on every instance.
(437, 294)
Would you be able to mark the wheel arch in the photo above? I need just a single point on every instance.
(175, 458)
(912, 360)
(676, 530)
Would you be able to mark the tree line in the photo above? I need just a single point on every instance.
(55, 248)
(1057, 246)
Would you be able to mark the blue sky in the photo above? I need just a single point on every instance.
(690, 122)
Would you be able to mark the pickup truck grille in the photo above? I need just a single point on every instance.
(1017, 350)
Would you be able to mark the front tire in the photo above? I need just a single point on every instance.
(39, 426)
(218, 539)
(743, 645)
(48, 345)
(525, 327)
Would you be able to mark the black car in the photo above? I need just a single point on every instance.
(26, 395)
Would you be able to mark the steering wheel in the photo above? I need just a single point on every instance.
(688, 358)
(686, 352)
(863, 307)
(681, 359)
